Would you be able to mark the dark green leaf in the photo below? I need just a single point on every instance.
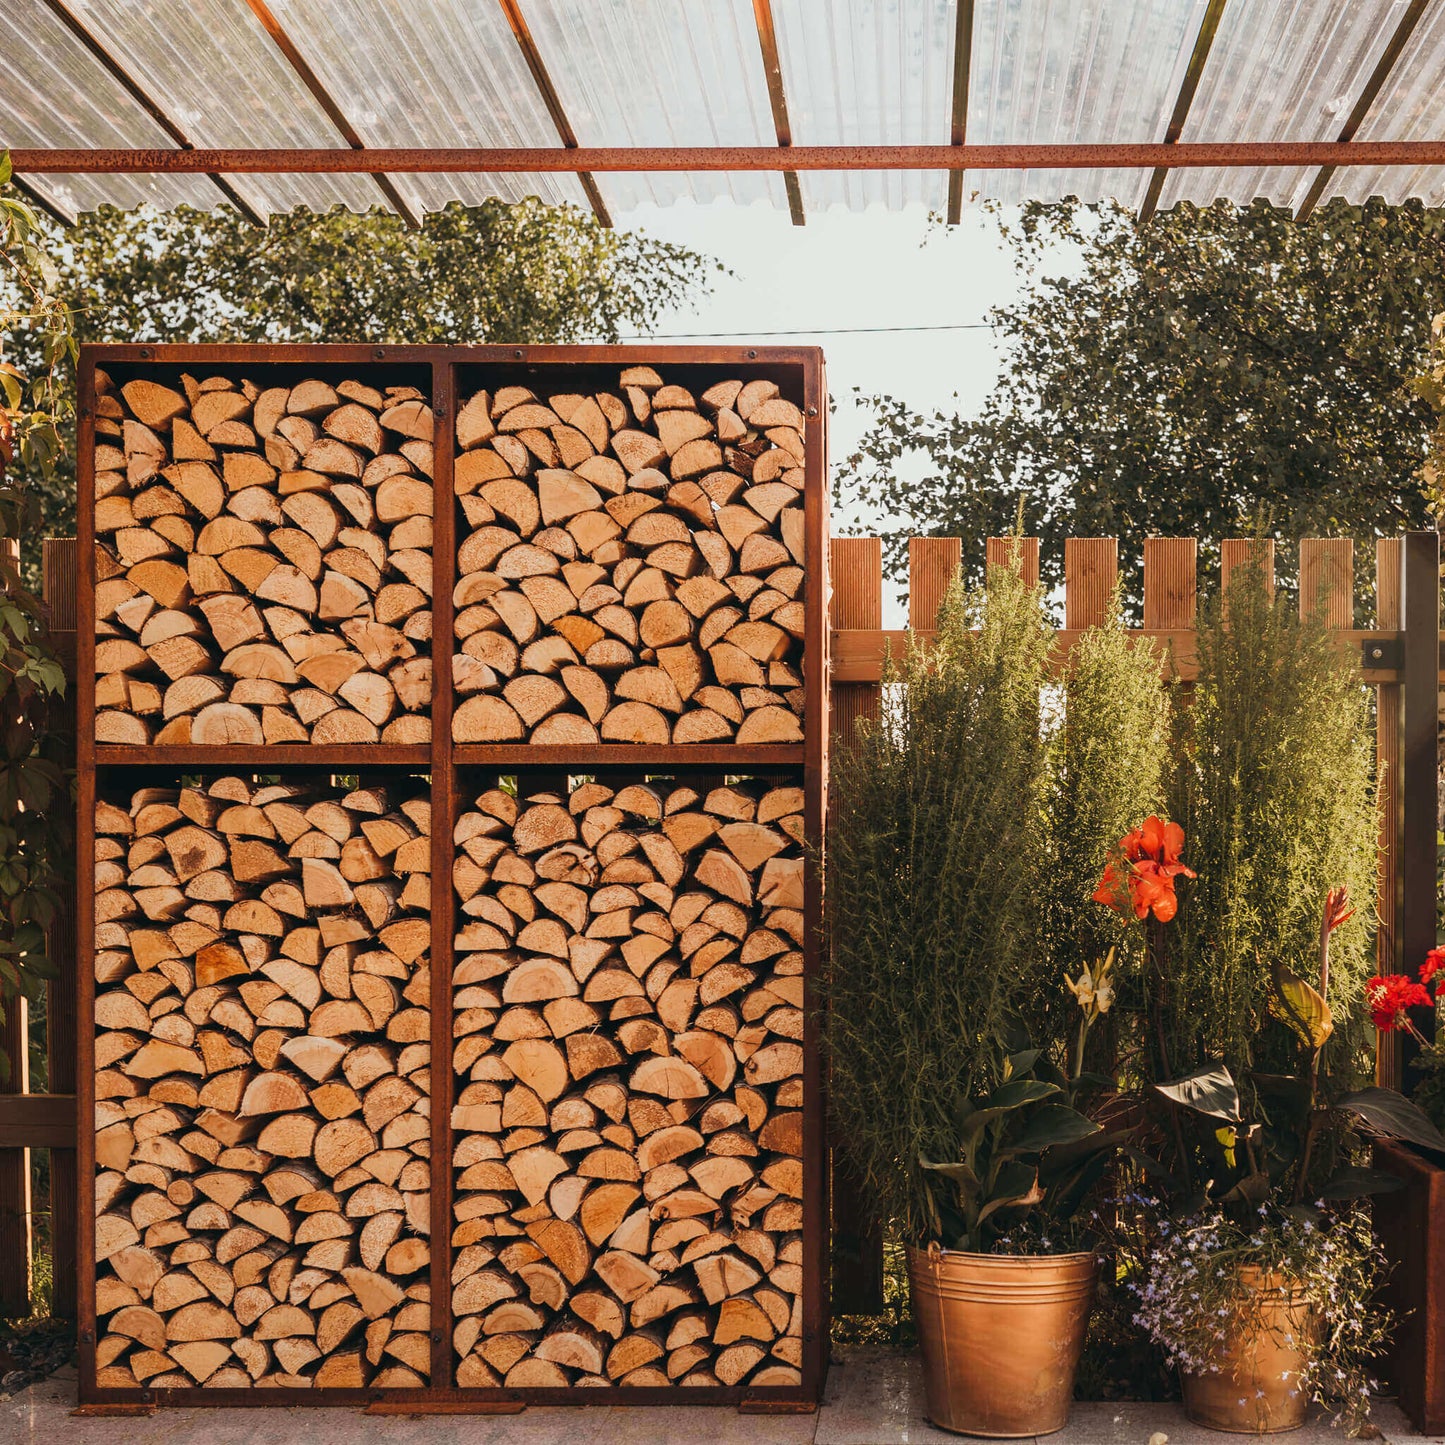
(1210, 1090)
(1391, 1114)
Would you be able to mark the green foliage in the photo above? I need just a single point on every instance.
(34, 789)
(1276, 795)
(934, 859)
(1185, 377)
(527, 273)
(1106, 774)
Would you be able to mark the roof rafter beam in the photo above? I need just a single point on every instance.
(1367, 97)
(308, 77)
(778, 100)
(38, 197)
(512, 9)
(133, 88)
(958, 124)
(1188, 88)
(1187, 155)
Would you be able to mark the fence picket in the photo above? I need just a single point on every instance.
(1327, 579)
(1091, 571)
(932, 564)
(1021, 553)
(1169, 583)
(1239, 551)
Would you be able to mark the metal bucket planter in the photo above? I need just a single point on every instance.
(1001, 1337)
(1256, 1389)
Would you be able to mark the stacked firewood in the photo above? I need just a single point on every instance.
(628, 1021)
(264, 562)
(630, 566)
(262, 1027)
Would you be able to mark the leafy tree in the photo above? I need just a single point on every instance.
(528, 272)
(1186, 378)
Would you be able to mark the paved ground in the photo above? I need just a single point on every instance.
(872, 1399)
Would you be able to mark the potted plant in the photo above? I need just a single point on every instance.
(958, 1069)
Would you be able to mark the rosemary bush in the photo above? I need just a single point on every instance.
(933, 861)
(971, 822)
(1276, 793)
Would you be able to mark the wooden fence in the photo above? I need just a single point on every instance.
(1400, 656)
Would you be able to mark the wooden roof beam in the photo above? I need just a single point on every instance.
(1188, 88)
(778, 100)
(512, 9)
(1367, 97)
(132, 87)
(958, 126)
(308, 77)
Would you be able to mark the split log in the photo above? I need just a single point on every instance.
(628, 1061)
(651, 571)
(252, 531)
(262, 1121)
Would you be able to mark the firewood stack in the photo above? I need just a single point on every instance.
(264, 568)
(630, 565)
(262, 1086)
(628, 1016)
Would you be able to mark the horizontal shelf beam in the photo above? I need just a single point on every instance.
(477, 161)
(628, 755)
(345, 756)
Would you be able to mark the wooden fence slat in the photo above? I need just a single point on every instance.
(1239, 551)
(1327, 579)
(1019, 552)
(1169, 582)
(855, 565)
(1091, 571)
(59, 559)
(1388, 616)
(932, 564)
(15, 1202)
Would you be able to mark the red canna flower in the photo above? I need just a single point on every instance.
(1337, 909)
(1390, 996)
(1143, 877)
(1433, 965)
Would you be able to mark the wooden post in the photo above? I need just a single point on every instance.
(1420, 762)
(1388, 618)
(58, 586)
(15, 1200)
(856, 565)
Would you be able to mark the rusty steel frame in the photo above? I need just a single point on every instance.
(308, 77)
(1188, 88)
(512, 9)
(958, 118)
(133, 88)
(1367, 97)
(377, 160)
(778, 100)
(800, 371)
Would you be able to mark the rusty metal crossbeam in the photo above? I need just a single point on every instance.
(557, 159)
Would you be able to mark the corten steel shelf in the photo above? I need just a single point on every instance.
(450, 373)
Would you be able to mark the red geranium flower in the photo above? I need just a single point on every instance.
(1434, 964)
(1143, 877)
(1388, 998)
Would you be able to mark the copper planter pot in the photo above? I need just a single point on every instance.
(1256, 1390)
(1001, 1337)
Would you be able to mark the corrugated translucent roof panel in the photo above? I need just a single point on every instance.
(438, 73)
(1411, 106)
(218, 76)
(657, 73)
(868, 72)
(54, 92)
(1075, 71)
(1280, 70)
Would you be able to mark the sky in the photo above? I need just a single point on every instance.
(846, 270)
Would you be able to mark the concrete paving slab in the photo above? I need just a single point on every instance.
(872, 1398)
